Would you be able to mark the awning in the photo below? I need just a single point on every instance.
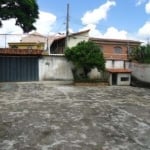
(119, 70)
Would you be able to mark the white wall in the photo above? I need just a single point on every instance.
(115, 64)
(108, 64)
(54, 67)
(75, 39)
(94, 74)
(119, 76)
(118, 64)
(123, 75)
(141, 71)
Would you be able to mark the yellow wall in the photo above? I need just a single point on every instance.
(39, 46)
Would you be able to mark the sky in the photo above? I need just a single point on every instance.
(119, 19)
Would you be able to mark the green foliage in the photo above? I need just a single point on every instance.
(142, 54)
(86, 55)
(24, 11)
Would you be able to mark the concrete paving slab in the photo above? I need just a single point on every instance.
(45, 116)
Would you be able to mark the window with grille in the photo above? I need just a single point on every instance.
(118, 50)
(124, 79)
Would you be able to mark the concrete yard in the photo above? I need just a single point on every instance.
(45, 116)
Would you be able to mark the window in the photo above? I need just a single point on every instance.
(14, 46)
(124, 79)
(118, 50)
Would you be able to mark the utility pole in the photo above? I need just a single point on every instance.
(67, 26)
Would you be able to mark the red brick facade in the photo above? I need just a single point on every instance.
(108, 47)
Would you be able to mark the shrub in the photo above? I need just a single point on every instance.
(86, 55)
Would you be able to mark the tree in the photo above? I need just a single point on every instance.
(141, 54)
(24, 11)
(86, 55)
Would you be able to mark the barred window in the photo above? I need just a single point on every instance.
(118, 50)
(124, 79)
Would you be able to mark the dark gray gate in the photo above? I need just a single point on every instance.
(18, 68)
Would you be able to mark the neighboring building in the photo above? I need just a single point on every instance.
(34, 41)
(59, 43)
(27, 45)
(116, 52)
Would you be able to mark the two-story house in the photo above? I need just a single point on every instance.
(116, 52)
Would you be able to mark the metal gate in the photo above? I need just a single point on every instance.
(18, 68)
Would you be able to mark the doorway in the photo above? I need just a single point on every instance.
(114, 78)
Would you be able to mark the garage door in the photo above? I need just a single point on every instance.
(18, 68)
